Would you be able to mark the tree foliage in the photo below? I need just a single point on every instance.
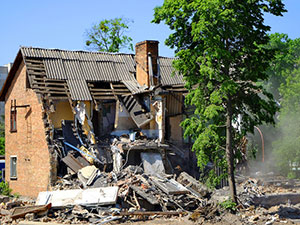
(287, 52)
(220, 46)
(2, 146)
(109, 36)
(287, 70)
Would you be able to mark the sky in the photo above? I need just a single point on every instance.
(62, 24)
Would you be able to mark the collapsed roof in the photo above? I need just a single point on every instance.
(75, 74)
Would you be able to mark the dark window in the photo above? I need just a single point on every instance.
(13, 120)
(13, 167)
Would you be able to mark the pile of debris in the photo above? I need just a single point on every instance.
(127, 193)
(95, 197)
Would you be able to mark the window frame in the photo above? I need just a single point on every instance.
(15, 175)
(13, 119)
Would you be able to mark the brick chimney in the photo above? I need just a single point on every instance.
(146, 54)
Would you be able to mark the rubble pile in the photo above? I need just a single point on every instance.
(138, 195)
(131, 194)
(132, 177)
(110, 179)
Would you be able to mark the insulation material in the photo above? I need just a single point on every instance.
(88, 156)
(117, 158)
(158, 105)
(80, 112)
(83, 118)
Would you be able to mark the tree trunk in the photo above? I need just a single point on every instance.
(229, 152)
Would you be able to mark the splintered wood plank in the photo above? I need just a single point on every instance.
(72, 162)
(147, 196)
(18, 212)
(138, 113)
(152, 213)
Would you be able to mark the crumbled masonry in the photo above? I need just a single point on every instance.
(138, 197)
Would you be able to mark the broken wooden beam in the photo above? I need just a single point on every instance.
(22, 211)
(153, 213)
(147, 196)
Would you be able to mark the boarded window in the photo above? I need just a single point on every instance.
(13, 120)
(13, 167)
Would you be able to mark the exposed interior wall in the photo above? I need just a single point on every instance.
(108, 117)
(176, 133)
(28, 143)
(63, 111)
(125, 122)
(174, 105)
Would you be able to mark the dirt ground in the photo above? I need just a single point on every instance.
(227, 219)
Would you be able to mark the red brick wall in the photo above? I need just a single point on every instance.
(141, 57)
(29, 142)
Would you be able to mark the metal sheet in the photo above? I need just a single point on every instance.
(133, 86)
(79, 90)
(92, 196)
(83, 66)
(167, 73)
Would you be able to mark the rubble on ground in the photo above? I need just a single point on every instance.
(142, 196)
(131, 177)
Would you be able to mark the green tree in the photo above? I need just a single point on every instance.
(2, 146)
(287, 52)
(108, 36)
(285, 148)
(220, 49)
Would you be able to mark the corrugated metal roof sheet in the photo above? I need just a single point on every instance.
(133, 86)
(78, 67)
(168, 77)
(79, 90)
(92, 66)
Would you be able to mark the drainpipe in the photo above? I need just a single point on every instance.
(262, 143)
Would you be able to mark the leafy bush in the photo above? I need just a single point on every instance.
(291, 175)
(4, 189)
(2, 145)
(229, 205)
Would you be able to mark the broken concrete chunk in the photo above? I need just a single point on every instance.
(93, 196)
(169, 186)
(4, 212)
(29, 216)
(4, 199)
(277, 199)
(87, 175)
(134, 169)
(187, 180)
(152, 163)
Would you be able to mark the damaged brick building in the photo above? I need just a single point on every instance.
(58, 100)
